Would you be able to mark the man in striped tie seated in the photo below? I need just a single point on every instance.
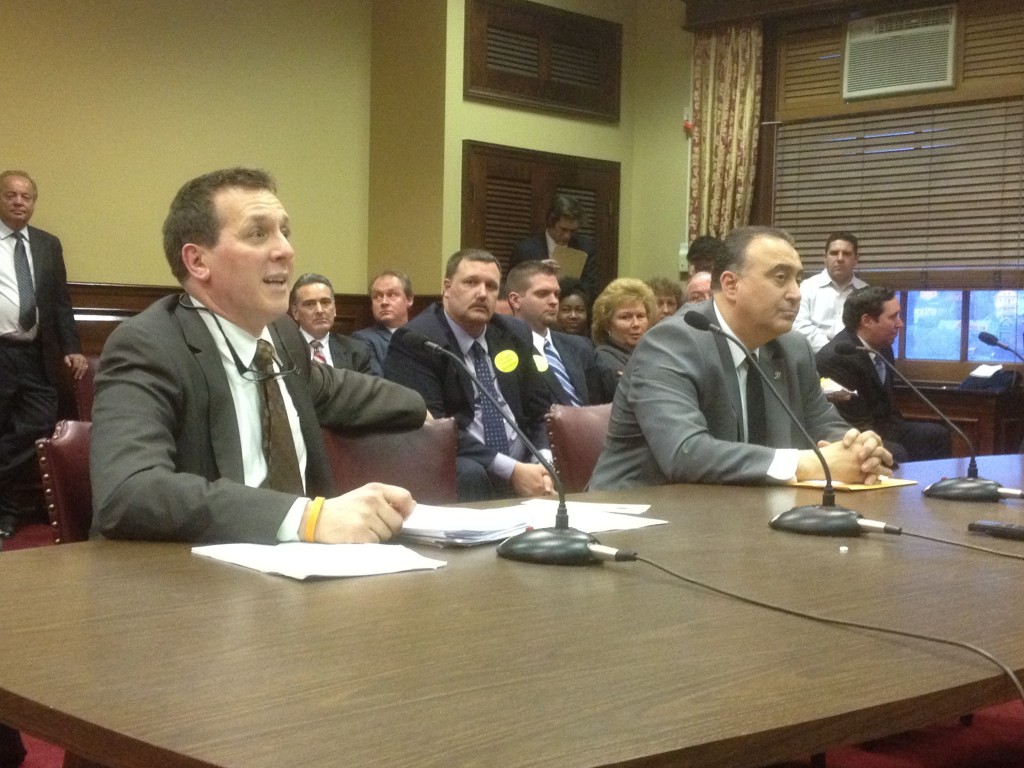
(311, 305)
(574, 373)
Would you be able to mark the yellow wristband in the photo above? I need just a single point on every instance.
(311, 518)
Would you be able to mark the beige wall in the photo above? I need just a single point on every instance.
(120, 101)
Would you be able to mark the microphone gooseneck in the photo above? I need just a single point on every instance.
(970, 488)
(827, 518)
(560, 545)
(987, 338)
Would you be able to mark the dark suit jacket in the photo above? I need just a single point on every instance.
(376, 338)
(873, 407)
(449, 391)
(677, 416)
(166, 460)
(594, 383)
(347, 353)
(536, 249)
(57, 332)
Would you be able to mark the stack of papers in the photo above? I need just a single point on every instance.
(461, 526)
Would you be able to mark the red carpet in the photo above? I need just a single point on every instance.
(995, 739)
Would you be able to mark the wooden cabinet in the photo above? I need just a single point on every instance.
(993, 421)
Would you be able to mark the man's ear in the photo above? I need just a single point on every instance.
(513, 300)
(194, 258)
(728, 283)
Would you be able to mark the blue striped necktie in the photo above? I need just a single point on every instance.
(26, 289)
(494, 425)
(560, 373)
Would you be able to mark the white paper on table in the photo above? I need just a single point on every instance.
(427, 519)
(589, 517)
(584, 506)
(985, 371)
(299, 560)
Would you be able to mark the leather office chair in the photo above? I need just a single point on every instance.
(67, 490)
(577, 436)
(421, 460)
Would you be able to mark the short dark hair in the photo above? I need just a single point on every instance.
(847, 236)
(521, 274)
(310, 278)
(468, 254)
(705, 247)
(572, 286)
(193, 218)
(402, 278)
(869, 300)
(733, 256)
(564, 207)
(663, 286)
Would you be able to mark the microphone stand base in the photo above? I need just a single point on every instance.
(818, 520)
(549, 546)
(964, 489)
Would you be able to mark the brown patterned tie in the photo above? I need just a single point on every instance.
(278, 444)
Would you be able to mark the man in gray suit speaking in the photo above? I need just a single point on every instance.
(208, 412)
(683, 412)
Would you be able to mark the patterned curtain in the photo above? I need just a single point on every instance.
(726, 116)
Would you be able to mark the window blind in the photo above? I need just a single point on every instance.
(935, 190)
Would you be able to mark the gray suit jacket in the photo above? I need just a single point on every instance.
(166, 460)
(677, 414)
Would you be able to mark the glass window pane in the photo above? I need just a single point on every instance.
(933, 325)
(997, 313)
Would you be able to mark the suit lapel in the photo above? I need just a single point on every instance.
(226, 444)
(732, 383)
(780, 428)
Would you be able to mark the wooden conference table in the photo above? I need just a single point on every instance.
(145, 655)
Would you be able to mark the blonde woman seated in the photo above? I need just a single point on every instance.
(622, 313)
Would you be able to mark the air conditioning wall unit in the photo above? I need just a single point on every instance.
(901, 52)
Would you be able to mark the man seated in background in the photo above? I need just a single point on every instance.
(208, 411)
(688, 409)
(698, 288)
(822, 295)
(563, 229)
(311, 305)
(391, 299)
(701, 255)
(871, 318)
(492, 462)
(573, 372)
(668, 297)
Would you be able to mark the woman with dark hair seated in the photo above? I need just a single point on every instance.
(573, 307)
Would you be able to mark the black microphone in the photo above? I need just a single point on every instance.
(970, 488)
(560, 545)
(827, 518)
(992, 341)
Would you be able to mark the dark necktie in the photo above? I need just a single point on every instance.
(494, 425)
(757, 427)
(26, 289)
(318, 351)
(880, 368)
(560, 373)
(278, 444)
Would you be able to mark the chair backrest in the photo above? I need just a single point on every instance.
(421, 460)
(577, 436)
(67, 490)
(83, 389)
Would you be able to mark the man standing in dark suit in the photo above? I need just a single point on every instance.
(871, 318)
(390, 301)
(208, 411)
(311, 305)
(573, 371)
(492, 462)
(37, 329)
(564, 218)
(690, 409)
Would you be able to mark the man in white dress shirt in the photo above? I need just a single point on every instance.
(822, 296)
